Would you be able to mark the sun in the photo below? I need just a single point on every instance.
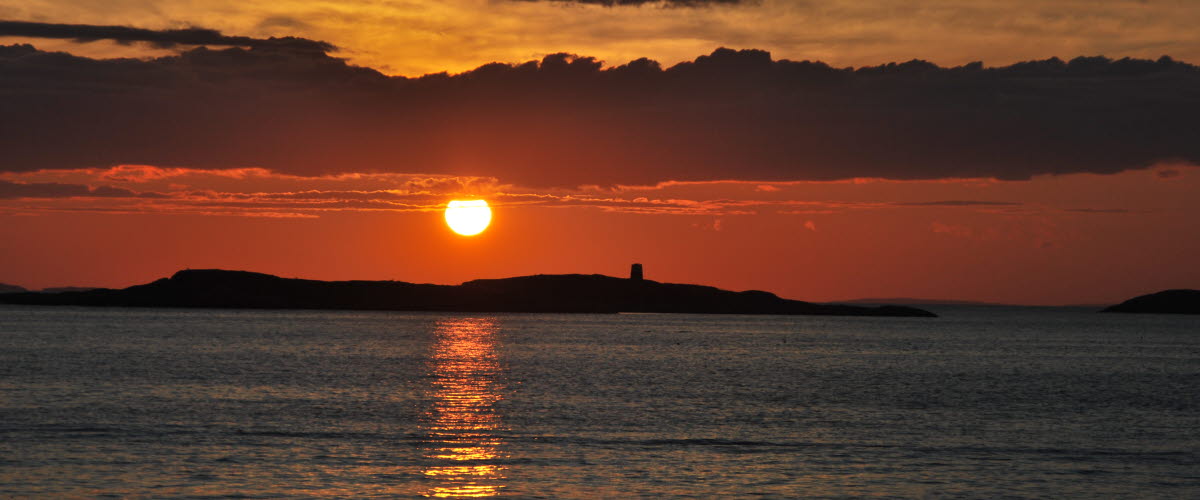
(468, 217)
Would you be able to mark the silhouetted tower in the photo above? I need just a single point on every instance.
(635, 272)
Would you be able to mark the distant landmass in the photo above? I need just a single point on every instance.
(917, 302)
(541, 293)
(5, 288)
(1164, 302)
(61, 289)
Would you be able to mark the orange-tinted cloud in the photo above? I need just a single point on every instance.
(149, 189)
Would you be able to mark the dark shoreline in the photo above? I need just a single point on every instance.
(567, 293)
(1180, 301)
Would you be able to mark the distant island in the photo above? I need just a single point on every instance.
(908, 301)
(575, 293)
(61, 289)
(6, 288)
(1164, 302)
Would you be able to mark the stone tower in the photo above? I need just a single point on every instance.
(635, 272)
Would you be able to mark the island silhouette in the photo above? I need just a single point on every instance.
(6, 288)
(566, 293)
(1165, 302)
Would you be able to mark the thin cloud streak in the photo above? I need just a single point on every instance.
(168, 38)
(317, 201)
(148, 189)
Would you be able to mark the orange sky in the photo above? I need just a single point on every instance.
(760, 176)
(1080, 238)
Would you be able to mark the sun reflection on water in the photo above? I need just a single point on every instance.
(462, 423)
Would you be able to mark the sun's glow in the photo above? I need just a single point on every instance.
(464, 425)
(468, 217)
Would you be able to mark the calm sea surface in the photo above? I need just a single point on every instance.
(983, 402)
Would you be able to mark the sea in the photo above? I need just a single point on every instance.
(982, 402)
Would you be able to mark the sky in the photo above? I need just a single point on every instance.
(1014, 152)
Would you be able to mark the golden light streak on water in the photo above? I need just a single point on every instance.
(462, 423)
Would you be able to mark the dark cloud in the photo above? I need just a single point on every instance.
(566, 120)
(11, 190)
(160, 38)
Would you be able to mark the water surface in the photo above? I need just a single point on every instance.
(983, 402)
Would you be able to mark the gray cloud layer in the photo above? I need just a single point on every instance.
(565, 120)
